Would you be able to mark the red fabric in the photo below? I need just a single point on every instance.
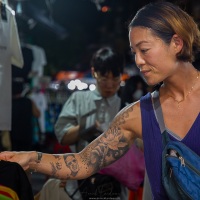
(6, 194)
(136, 195)
(58, 148)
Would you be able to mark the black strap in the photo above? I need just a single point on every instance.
(159, 116)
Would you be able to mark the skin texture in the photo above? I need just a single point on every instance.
(157, 62)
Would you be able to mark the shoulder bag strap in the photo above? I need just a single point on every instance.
(159, 116)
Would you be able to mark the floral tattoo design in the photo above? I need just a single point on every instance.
(109, 147)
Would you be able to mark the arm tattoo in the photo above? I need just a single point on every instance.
(53, 169)
(111, 146)
(56, 166)
(72, 163)
(57, 156)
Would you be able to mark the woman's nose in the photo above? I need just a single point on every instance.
(139, 60)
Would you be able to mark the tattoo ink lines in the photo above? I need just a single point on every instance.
(109, 147)
(72, 163)
(56, 166)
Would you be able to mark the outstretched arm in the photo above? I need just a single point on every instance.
(104, 150)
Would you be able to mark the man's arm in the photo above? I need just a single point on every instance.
(66, 127)
(71, 136)
(74, 134)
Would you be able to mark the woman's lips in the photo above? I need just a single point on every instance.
(145, 72)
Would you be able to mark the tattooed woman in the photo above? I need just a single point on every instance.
(164, 40)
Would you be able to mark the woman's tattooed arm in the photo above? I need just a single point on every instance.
(107, 148)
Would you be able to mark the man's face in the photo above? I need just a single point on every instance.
(108, 85)
(72, 163)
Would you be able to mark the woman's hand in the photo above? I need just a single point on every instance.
(23, 158)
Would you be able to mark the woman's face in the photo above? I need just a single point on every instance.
(155, 59)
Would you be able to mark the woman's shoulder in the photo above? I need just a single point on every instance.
(129, 118)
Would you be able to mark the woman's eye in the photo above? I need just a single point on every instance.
(144, 50)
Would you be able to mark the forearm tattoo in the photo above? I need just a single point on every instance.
(53, 167)
(56, 166)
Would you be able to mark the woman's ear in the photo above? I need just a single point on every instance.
(177, 43)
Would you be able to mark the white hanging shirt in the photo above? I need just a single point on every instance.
(10, 53)
(39, 59)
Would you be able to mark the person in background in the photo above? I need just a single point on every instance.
(164, 40)
(87, 114)
(23, 111)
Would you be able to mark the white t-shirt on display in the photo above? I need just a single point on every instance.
(10, 53)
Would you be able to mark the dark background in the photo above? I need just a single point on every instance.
(70, 30)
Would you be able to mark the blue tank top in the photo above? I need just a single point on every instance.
(152, 139)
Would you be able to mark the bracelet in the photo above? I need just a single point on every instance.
(39, 157)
